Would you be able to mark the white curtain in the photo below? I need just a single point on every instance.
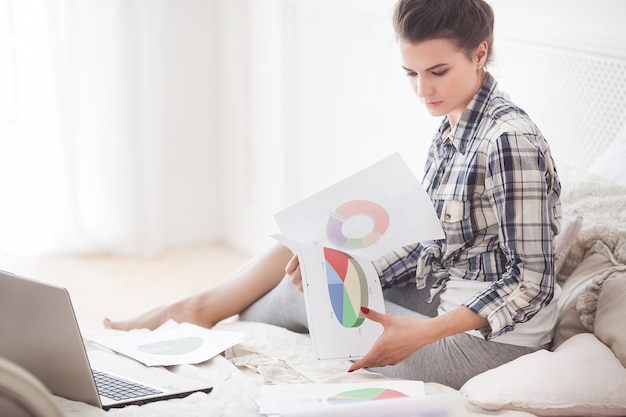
(107, 125)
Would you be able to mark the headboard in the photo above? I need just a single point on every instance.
(566, 66)
(577, 99)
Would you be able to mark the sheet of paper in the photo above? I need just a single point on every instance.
(370, 213)
(337, 232)
(170, 344)
(336, 285)
(446, 405)
(277, 399)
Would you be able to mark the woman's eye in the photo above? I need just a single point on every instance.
(440, 73)
(411, 74)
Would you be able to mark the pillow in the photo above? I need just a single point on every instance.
(598, 259)
(570, 226)
(580, 378)
(610, 164)
(603, 309)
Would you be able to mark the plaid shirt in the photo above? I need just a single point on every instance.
(494, 186)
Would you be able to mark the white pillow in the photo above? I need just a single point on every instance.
(582, 377)
(610, 164)
(570, 226)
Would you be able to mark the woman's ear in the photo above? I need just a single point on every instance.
(481, 53)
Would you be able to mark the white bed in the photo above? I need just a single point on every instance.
(583, 376)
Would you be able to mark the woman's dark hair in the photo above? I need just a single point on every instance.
(467, 23)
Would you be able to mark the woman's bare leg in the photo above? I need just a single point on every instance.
(227, 298)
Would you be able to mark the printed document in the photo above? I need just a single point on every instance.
(337, 233)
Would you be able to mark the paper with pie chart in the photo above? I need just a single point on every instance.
(376, 398)
(336, 285)
(337, 233)
(170, 344)
(370, 213)
(274, 399)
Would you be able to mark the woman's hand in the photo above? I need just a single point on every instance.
(404, 335)
(401, 337)
(293, 270)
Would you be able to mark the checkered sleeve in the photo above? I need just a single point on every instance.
(407, 264)
(519, 190)
(397, 267)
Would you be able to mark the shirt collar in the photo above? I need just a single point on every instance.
(466, 128)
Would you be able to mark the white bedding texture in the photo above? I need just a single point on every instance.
(584, 374)
(268, 355)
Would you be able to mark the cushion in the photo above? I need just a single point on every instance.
(610, 164)
(570, 226)
(580, 378)
(22, 394)
(603, 309)
(598, 260)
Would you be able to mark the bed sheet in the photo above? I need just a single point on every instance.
(268, 355)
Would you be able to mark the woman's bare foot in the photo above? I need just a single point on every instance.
(184, 311)
(150, 320)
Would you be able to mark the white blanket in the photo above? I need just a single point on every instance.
(268, 355)
(602, 205)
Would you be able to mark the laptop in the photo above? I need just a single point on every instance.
(39, 332)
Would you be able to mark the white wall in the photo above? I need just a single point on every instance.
(554, 58)
(353, 99)
(108, 125)
(189, 122)
(252, 114)
(325, 97)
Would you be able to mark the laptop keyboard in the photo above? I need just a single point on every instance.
(119, 389)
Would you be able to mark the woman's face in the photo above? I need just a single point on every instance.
(444, 78)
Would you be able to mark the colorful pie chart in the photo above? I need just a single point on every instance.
(365, 394)
(347, 287)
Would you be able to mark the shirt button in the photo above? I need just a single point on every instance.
(447, 216)
(522, 288)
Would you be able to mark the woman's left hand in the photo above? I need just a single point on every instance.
(401, 337)
(293, 270)
(404, 335)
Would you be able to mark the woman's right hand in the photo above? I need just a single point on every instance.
(293, 270)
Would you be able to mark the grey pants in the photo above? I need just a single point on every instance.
(450, 361)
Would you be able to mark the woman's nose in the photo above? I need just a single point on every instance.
(423, 88)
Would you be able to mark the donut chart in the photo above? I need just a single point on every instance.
(347, 287)
(348, 210)
(365, 394)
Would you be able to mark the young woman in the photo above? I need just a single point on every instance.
(485, 294)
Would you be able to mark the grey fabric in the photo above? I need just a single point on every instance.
(451, 361)
(283, 306)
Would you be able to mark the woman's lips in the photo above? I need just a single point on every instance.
(433, 104)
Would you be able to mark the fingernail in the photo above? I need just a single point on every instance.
(350, 370)
(365, 310)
